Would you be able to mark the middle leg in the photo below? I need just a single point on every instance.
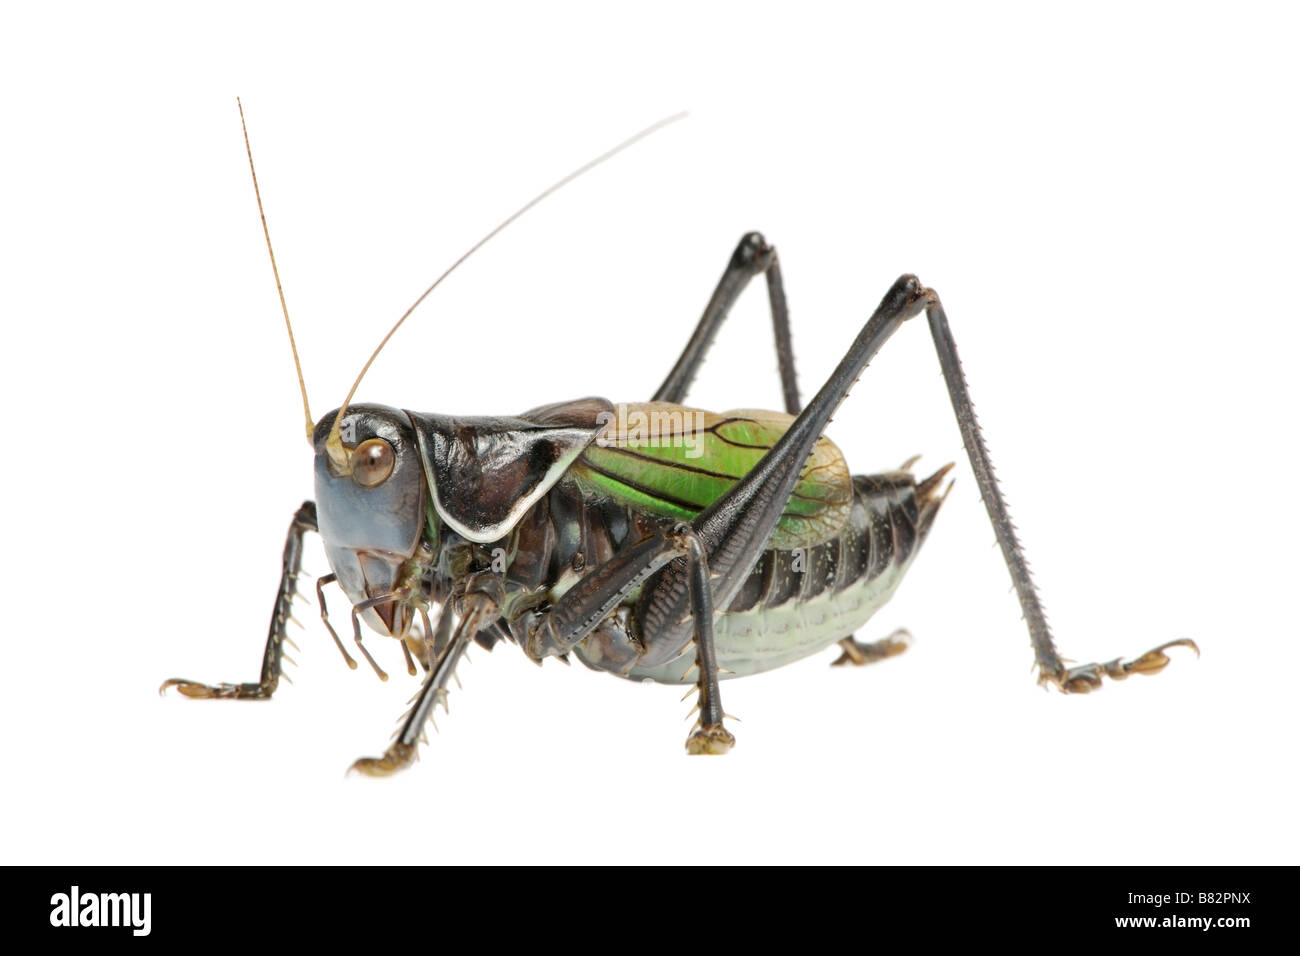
(752, 256)
(594, 599)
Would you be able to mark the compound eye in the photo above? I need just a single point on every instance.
(372, 462)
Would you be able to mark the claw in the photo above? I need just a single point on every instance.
(710, 740)
(397, 757)
(187, 687)
(1088, 677)
(197, 691)
(1153, 661)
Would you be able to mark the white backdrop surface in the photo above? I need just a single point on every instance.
(1105, 196)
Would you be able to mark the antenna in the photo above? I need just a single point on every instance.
(287, 324)
(334, 444)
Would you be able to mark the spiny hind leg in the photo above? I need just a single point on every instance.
(860, 655)
(1051, 667)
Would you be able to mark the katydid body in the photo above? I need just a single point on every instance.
(714, 546)
(838, 553)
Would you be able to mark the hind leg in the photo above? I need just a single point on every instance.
(1051, 666)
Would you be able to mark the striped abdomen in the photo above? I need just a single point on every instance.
(796, 603)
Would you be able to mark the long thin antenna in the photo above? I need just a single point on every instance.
(334, 444)
(287, 324)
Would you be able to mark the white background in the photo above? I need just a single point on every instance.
(1105, 197)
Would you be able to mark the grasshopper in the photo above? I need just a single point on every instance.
(650, 540)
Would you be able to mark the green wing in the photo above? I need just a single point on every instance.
(673, 461)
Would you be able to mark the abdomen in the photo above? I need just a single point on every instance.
(796, 603)
(837, 555)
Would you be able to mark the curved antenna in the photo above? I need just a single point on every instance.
(302, 386)
(334, 444)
